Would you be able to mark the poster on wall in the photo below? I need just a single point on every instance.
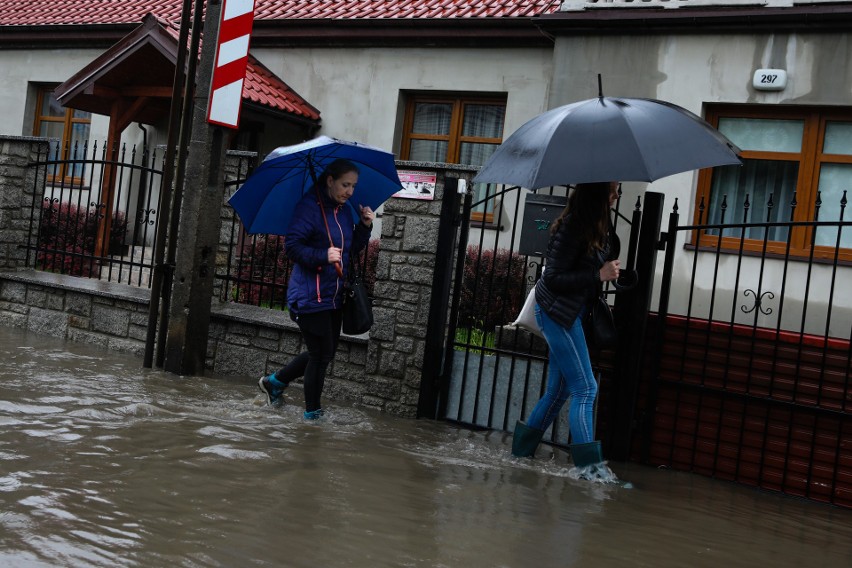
(416, 185)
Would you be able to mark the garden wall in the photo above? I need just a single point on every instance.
(381, 369)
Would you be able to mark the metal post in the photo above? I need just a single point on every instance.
(461, 218)
(197, 236)
(193, 83)
(427, 404)
(157, 288)
(632, 318)
(662, 316)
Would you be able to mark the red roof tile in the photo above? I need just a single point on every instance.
(262, 86)
(64, 12)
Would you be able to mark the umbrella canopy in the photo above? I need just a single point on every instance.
(266, 200)
(607, 139)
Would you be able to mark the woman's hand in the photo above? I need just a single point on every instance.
(610, 270)
(367, 215)
(335, 255)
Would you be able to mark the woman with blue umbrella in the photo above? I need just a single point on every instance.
(321, 237)
(320, 194)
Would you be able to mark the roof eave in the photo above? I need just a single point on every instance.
(706, 19)
(399, 32)
(98, 35)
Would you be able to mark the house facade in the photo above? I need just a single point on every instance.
(752, 322)
(412, 76)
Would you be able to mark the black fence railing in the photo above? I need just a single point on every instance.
(97, 215)
(750, 379)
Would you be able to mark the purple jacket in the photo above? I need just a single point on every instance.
(314, 285)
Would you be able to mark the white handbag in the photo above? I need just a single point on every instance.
(526, 319)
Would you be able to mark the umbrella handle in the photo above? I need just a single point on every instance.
(339, 268)
(628, 280)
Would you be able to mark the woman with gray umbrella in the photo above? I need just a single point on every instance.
(581, 255)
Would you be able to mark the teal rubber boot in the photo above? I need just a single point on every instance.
(586, 454)
(525, 440)
(590, 465)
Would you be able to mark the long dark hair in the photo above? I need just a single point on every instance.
(589, 205)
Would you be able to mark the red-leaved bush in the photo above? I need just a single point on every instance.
(68, 235)
(263, 270)
(493, 288)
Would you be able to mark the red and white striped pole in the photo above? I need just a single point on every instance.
(229, 72)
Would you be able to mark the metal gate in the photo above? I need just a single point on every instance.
(491, 373)
(749, 376)
(95, 211)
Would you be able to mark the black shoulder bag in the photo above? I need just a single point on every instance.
(599, 323)
(357, 305)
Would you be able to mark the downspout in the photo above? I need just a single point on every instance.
(143, 180)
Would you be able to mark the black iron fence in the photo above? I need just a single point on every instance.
(97, 218)
(750, 377)
(98, 213)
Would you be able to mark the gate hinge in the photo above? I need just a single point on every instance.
(661, 244)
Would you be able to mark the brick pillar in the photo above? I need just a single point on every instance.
(403, 292)
(18, 186)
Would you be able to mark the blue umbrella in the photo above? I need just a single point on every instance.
(266, 200)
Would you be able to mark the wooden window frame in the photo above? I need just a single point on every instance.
(454, 138)
(810, 160)
(68, 121)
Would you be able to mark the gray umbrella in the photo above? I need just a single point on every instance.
(607, 139)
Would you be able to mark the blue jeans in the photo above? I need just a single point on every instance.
(570, 375)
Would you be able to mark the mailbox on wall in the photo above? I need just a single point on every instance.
(539, 213)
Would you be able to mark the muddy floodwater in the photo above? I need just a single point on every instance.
(105, 464)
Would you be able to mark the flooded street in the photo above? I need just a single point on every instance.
(105, 464)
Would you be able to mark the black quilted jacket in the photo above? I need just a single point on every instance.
(571, 276)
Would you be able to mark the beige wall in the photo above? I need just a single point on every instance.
(358, 90)
(23, 70)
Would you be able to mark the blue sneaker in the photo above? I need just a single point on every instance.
(274, 393)
(313, 414)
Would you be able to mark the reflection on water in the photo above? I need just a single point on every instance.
(105, 464)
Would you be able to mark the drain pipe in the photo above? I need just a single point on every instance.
(143, 180)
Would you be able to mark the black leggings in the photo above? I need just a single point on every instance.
(321, 332)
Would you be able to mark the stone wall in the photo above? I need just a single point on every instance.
(17, 184)
(380, 370)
